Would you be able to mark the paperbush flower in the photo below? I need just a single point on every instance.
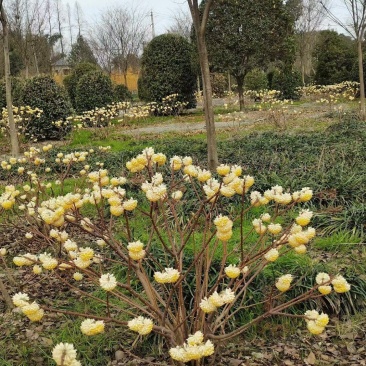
(130, 204)
(64, 354)
(78, 276)
(223, 169)
(304, 217)
(284, 282)
(232, 271)
(170, 275)
(325, 290)
(207, 306)
(272, 255)
(177, 195)
(108, 282)
(20, 299)
(322, 278)
(86, 254)
(274, 228)
(340, 284)
(92, 327)
(141, 325)
(193, 349)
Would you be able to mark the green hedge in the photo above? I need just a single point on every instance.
(166, 69)
(44, 93)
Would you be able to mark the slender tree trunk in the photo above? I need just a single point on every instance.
(9, 102)
(362, 82)
(240, 81)
(229, 81)
(207, 103)
(200, 28)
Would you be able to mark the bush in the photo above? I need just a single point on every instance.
(44, 93)
(256, 80)
(219, 84)
(287, 82)
(71, 81)
(186, 266)
(166, 69)
(121, 93)
(17, 85)
(93, 90)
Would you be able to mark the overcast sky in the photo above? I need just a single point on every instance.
(164, 10)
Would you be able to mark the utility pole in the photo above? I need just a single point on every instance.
(152, 24)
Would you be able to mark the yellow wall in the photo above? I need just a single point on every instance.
(116, 77)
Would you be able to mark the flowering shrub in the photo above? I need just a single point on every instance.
(331, 94)
(101, 117)
(157, 290)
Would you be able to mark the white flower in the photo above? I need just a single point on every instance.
(108, 282)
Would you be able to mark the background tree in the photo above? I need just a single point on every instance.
(182, 24)
(166, 69)
(81, 52)
(9, 102)
(120, 34)
(200, 18)
(335, 55)
(238, 34)
(311, 14)
(355, 26)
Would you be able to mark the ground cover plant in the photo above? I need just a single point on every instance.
(282, 159)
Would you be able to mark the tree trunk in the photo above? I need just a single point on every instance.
(207, 104)
(200, 29)
(362, 82)
(240, 81)
(229, 81)
(9, 102)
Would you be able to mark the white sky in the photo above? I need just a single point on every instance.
(164, 10)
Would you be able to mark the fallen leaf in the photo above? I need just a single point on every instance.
(311, 359)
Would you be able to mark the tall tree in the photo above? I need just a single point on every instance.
(121, 33)
(9, 102)
(200, 18)
(243, 35)
(356, 28)
(182, 24)
(311, 15)
(81, 52)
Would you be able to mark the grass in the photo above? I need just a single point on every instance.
(311, 152)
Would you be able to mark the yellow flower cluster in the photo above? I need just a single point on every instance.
(32, 310)
(304, 217)
(316, 322)
(136, 250)
(340, 284)
(272, 255)
(156, 189)
(298, 238)
(194, 349)
(232, 271)
(278, 195)
(27, 259)
(48, 262)
(91, 327)
(64, 354)
(141, 325)
(7, 199)
(170, 275)
(216, 300)
(284, 282)
(231, 182)
(108, 282)
(224, 227)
